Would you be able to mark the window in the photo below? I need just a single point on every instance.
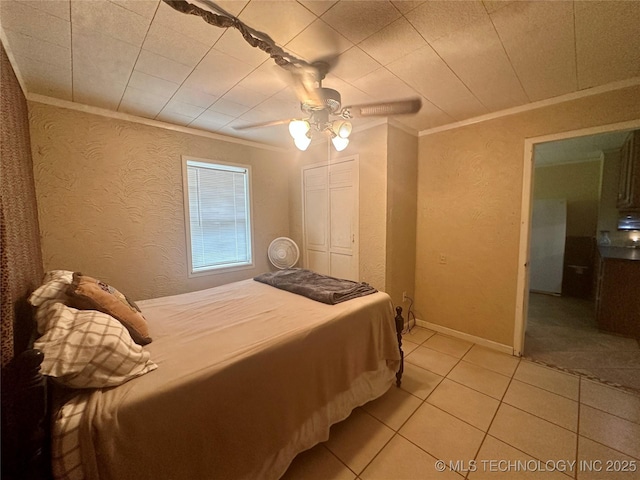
(217, 203)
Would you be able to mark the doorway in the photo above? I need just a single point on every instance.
(560, 330)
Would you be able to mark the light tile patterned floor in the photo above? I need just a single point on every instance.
(487, 415)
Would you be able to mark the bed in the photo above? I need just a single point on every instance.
(247, 377)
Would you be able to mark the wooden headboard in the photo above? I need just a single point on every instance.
(23, 389)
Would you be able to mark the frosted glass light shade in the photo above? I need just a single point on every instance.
(340, 143)
(341, 128)
(302, 142)
(298, 128)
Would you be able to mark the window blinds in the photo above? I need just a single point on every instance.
(218, 215)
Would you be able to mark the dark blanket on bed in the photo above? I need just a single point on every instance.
(322, 288)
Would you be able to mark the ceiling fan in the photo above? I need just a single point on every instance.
(320, 104)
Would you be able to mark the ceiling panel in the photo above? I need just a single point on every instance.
(46, 78)
(57, 8)
(176, 118)
(228, 107)
(109, 19)
(153, 84)
(162, 67)
(194, 97)
(608, 41)
(173, 45)
(472, 49)
(101, 58)
(318, 42)
(425, 71)
(359, 20)
(185, 109)
(188, 25)
(318, 6)
(381, 84)
(35, 22)
(463, 58)
(282, 21)
(539, 40)
(210, 120)
(354, 64)
(393, 42)
(39, 50)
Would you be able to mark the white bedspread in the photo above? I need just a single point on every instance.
(248, 376)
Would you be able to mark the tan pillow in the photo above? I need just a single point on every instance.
(87, 293)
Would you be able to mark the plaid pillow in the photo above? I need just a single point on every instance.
(89, 349)
(53, 289)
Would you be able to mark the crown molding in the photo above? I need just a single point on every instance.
(103, 112)
(609, 87)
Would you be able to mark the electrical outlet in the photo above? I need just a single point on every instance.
(443, 259)
(404, 297)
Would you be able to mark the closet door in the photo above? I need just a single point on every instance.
(331, 219)
(316, 218)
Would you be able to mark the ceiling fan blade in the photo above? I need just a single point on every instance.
(304, 81)
(271, 123)
(382, 109)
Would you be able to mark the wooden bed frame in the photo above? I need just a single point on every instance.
(30, 411)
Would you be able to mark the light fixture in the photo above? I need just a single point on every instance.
(298, 128)
(302, 142)
(339, 130)
(340, 143)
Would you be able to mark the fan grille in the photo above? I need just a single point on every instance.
(283, 253)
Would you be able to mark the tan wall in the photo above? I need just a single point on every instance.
(402, 170)
(370, 145)
(579, 185)
(110, 199)
(469, 201)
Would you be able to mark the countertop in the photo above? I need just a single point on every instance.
(620, 253)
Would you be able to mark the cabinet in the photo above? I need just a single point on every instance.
(617, 287)
(629, 182)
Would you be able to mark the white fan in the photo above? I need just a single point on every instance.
(283, 253)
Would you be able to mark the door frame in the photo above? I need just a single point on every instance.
(522, 283)
(329, 163)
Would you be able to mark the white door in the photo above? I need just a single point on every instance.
(330, 223)
(548, 232)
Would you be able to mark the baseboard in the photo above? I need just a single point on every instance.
(467, 337)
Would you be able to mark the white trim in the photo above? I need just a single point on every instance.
(103, 112)
(609, 87)
(185, 159)
(483, 342)
(522, 283)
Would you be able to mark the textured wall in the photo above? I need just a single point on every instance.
(110, 199)
(579, 184)
(402, 174)
(370, 145)
(20, 257)
(469, 200)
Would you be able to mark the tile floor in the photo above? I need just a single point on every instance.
(561, 331)
(461, 403)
